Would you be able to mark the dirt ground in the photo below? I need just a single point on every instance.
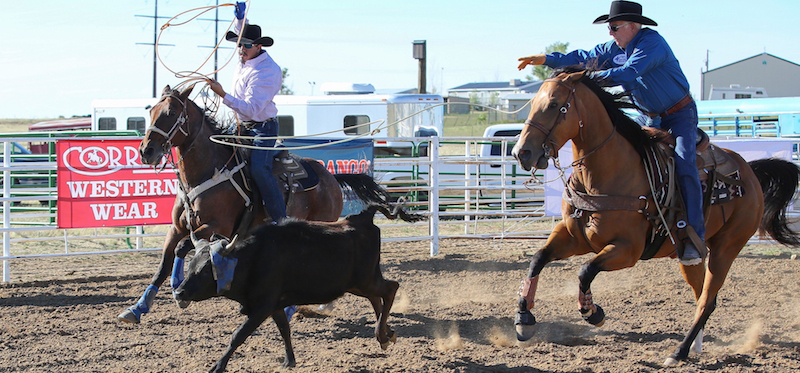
(454, 314)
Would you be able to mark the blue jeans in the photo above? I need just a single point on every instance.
(683, 126)
(261, 167)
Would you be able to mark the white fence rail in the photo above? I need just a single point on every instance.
(465, 192)
(482, 197)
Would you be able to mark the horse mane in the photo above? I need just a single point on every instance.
(640, 139)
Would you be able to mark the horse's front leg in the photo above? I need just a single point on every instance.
(559, 245)
(134, 313)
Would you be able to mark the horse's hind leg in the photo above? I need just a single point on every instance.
(694, 276)
(720, 259)
(611, 258)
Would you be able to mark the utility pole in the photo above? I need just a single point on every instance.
(155, 18)
(216, 21)
(419, 54)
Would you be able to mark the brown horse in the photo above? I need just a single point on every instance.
(572, 106)
(204, 209)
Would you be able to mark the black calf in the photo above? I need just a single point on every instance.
(298, 263)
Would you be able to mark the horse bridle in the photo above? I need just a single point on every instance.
(549, 152)
(178, 125)
(549, 132)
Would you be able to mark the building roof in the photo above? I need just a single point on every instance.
(751, 57)
(520, 96)
(531, 86)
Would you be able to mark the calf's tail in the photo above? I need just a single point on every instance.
(397, 211)
(367, 190)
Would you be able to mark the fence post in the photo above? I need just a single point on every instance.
(139, 238)
(433, 194)
(6, 210)
(467, 194)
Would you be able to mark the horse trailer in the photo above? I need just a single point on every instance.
(391, 119)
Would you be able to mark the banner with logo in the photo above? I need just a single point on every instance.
(351, 157)
(102, 183)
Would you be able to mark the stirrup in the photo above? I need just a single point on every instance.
(691, 254)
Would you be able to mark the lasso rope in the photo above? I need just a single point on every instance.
(212, 105)
(220, 139)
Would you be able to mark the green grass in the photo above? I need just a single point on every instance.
(461, 125)
(18, 125)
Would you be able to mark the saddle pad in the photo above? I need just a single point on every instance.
(723, 191)
(289, 167)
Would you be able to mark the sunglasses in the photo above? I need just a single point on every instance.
(617, 27)
(246, 45)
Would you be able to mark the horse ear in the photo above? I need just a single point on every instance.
(186, 92)
(166, 90)
(575, 77)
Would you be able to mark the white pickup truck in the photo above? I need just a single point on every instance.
(483, 171)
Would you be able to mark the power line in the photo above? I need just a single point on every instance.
(155, 18)
(216, 21)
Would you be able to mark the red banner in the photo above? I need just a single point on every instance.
(102, 183)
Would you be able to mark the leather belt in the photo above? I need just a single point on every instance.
(249, 124)
(686, 100)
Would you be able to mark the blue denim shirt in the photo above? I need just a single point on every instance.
(646, 68)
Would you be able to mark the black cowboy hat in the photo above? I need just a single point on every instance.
(625, 11)
(252, 34)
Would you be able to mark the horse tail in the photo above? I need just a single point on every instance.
(778, 179)
(368, 191)
(364, 188)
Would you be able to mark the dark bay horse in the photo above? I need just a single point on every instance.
(608, 147)
(203, 208)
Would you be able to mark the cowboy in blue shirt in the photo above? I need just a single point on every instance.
(641, 61)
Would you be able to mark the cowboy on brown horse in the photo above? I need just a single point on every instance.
(641, 61)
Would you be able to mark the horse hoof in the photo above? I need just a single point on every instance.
(597, 318)
(525, 332)
(392, 336)
(328, 307)
(289, 364)
(671, 362)
(385, 345)
(524, 324)
(128, 316)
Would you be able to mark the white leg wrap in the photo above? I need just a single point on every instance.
(697, 345)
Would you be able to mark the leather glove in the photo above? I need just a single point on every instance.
(239, 10)
(536, 59)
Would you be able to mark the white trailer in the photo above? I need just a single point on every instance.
(121, 114)
(397, 116)
(339, 115)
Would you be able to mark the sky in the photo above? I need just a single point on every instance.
(57, 56)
